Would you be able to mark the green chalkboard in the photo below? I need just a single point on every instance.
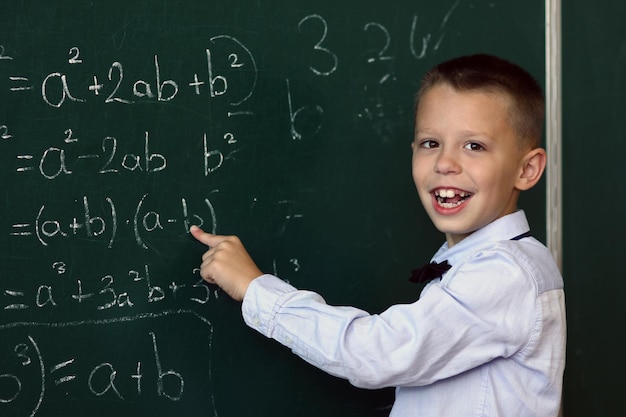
(285, 122)
(594, 145)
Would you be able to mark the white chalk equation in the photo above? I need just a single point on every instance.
(109, 158)
(106, 224)
(55, 161)
(230, 71)
(111, 150)
(57, 88)
(127, 292)
(35, 368)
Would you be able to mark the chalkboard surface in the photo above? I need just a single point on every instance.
(594, 105)
(288, 123)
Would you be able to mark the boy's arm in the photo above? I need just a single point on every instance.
(451, 329)
(226, 263)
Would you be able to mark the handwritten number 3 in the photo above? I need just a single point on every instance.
(318, 45)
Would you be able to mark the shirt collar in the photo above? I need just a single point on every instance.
(504, 228)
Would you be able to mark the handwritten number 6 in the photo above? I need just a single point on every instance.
(318, 45)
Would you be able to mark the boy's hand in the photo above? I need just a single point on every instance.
(226, 263)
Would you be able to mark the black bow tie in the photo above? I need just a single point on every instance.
(429, 272)
(435, 270)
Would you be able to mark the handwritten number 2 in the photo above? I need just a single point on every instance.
(120, 72)
(74, 56)
(2, 55)
(318, 46)
(105, 169)
(4, 132)
(69, 136)
(385, 48)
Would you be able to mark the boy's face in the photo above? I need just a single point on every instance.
(466, 159)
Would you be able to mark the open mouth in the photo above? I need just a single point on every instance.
(451, 198)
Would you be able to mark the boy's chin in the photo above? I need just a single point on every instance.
(454, 233)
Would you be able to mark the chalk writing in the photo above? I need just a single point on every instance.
(57, 88)
(73, 371)
(105, 225)
(318, 46)
(53, 162)
(382, 54)
(4, 132)
(133, 144)
(20, 84)
(236, 62)
(74, 54)
(134, 289)
(294, 113)
(426, 39)
(2, 54)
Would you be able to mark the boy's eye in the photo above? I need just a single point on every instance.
(473, 146)
(429, 143)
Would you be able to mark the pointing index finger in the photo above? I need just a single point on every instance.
(204, 237)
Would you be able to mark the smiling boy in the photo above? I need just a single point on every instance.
(470, 157)
(487, 338)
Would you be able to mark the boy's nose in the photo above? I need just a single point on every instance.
(447, 163)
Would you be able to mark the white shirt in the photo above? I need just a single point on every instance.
(485, 340)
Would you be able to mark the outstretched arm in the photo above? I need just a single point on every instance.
(226, 263)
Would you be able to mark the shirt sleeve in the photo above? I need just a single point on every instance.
(473, 316)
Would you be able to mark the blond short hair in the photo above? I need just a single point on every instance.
(492, 74)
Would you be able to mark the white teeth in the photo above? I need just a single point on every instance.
(449, 193)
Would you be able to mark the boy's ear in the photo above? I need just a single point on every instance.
(533, 165)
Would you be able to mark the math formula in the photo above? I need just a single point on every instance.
(85, 223)
(122, 128)
(56, 364)
(132, 291)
